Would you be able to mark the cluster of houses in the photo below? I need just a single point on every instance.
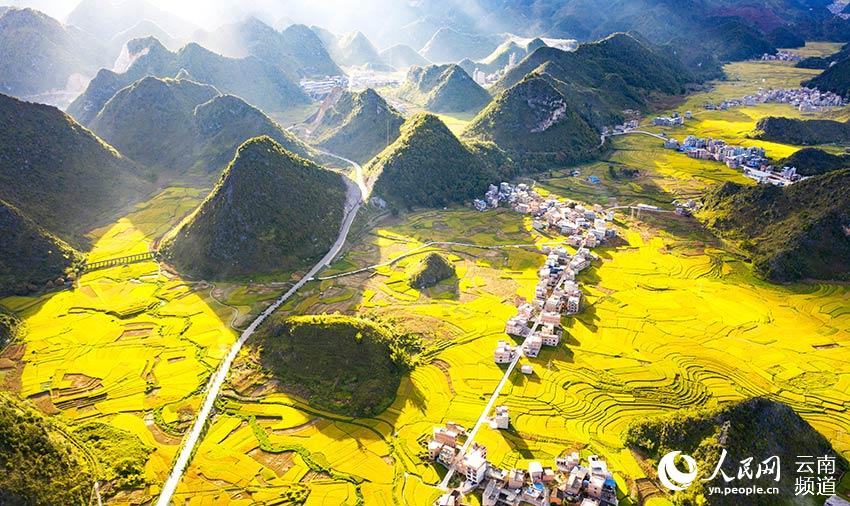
(673, 120)
(782, 56)
(804, 99)
(627, 126)
(751, 160)
(568, 482)
(319, 89)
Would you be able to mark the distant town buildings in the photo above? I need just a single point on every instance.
(673, 120)
(319, 89)
(804, 99)
(782, 56)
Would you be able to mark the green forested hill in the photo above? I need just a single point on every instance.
(59, 174)
(835, 79)
(603, 78)
(358, 125)
(793, 233)
(443, 88)
(802, 132)
(813, 161)
(259, 83)
(31, 257)
(339, 363)
(182, 129)
(428, 166)
(39, 464)
(536, 125)
(38, 54)
(150, 121)
(755, 428)
(431, 270)
(271, 210)
(296, 50)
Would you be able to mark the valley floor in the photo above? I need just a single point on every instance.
(673, 318)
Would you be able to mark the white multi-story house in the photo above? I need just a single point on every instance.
(504, 353)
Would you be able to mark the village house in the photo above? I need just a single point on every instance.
(501, 420)
(504, 353)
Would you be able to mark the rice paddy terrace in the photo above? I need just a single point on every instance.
(673, 318)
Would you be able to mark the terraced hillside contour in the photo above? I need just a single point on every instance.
(536, 124)
(59, 174)
(257, 82)
(358, 125)
(443, 88)
(270, 211)
(427, 166)
(177, 126)
(339, 363)
(793, 233)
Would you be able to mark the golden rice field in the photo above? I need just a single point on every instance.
(673, 320)
(130, 346)
(669, 325)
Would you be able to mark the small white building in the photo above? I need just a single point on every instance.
(531, 346)
(535, 471)
(504, 353)
(526, 369)
(501, 420)
(573, 304)
(474, 466)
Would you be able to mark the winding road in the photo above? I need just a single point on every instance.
(355, 197)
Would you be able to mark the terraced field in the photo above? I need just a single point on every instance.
(130, 346)
(673, 320)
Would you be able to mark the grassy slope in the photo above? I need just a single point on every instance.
(339, 363)
(270, 211)
(812, 161)
(603, 78)
(835, 78)
(58, 173)
(792, 233)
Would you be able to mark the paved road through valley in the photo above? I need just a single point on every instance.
(355, 197)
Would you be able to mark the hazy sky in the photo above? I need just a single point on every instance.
(339, 14)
